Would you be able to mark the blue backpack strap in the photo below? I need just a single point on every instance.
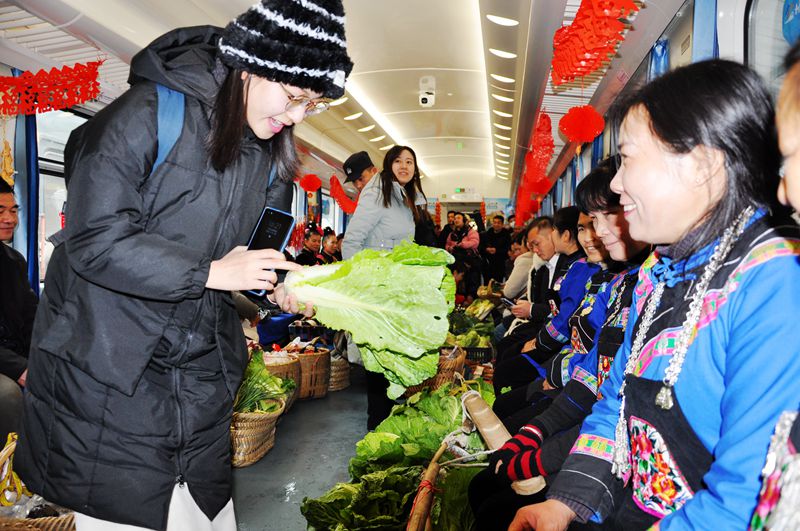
(170, 121)
(273, 171)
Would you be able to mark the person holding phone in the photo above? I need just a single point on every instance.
(137, 350)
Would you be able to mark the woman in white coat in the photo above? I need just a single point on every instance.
(388, 208)
(389, 205)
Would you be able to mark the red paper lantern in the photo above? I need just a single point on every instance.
(581, 124)
(338, 194)
(310, 182)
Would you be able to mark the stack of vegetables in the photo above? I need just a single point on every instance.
(394, 303)
(260, 389)
(388, 464)
(466, 330)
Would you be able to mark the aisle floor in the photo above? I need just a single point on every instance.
(313, 445)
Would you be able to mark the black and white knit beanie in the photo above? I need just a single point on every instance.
(297, 42)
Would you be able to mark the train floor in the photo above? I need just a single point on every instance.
(313, 445)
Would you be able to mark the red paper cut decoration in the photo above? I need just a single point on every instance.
(581, 124)
(438, 216)
(338, 194)
(591, 40)
(310, 182)
(45, 91)
(483, 211)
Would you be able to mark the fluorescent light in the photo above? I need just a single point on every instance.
(502, 53)
(341, 100)
(354, 116)
(377, 138)
(500, 161)
(501, 137)
(502, 146)
(501, 154)
(502, 98)
(367, 128)
(501, 170)
(501, 177)
(498, 113)
(502, 21)
(502, 79)
(501, 126)
(386, 148)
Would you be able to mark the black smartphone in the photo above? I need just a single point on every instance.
(507, 302)
(273, 230)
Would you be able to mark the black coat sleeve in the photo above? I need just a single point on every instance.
(108, 160)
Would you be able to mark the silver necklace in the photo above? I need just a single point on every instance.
(664, 399)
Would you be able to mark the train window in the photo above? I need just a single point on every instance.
(766, 44)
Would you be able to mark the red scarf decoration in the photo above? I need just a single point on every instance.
(338, 194)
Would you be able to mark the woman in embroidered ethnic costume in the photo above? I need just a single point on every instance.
(705, 368)
(778, 505)
(600, 330)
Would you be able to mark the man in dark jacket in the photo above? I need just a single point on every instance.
(17, 310)
(495, 243)
(138, 352)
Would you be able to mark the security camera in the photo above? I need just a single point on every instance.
(427, 98)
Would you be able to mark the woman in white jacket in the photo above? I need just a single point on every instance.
(388, 206)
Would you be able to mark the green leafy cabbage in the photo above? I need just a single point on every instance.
(395, 305)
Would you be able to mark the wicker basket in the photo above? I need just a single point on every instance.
(448, 367)
(58, 523)
(253, 435)
(285, 365)
(315, 373)
(340, 374)
(64, 522)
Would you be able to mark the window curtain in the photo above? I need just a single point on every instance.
(659, 59)
(705, 44)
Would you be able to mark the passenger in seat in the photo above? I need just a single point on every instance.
(708, 361)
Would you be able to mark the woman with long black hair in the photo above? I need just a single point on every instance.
(138, 351)
(708, 361)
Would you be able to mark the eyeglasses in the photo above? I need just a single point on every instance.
(311, 106)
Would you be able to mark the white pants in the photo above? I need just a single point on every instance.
(184, 515)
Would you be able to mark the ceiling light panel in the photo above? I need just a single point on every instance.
(502, 21)
(501, 137)
(502, 98)
(367, 128)
(354, 116)
(341, 100)
(498, 113)
(502, 79)
(377, 138)
(502, 53)
(503, 127)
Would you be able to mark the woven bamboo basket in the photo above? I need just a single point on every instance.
(315, 373)
(340, 374)
(285, 365)
(64, 522)
(58, 523)
(448, 367)
(253, 435)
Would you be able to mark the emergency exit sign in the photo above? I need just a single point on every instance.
(460, 190)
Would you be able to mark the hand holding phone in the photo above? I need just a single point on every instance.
(273, 230)
(508, 302)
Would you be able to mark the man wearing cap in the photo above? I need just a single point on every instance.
(359, 169)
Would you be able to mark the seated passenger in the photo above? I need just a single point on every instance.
(556, 427)
(309, 254)
(328, 254)
(561, 239)
(17, 310)
(777, 508)
(708, 362)
(542, 370)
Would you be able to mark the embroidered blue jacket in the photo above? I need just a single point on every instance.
(740, 372)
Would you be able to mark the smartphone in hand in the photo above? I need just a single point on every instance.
(273, 230)
(507, 302)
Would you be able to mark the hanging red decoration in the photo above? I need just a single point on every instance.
(581, 124)
(591, 40)
(45, 91)
(438, 214)
(338, 194)
(483, 211)
(310, 182)
(534, 180)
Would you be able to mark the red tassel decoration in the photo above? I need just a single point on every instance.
(338, 194)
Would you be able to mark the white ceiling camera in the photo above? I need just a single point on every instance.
(427, 98)
(427, 91)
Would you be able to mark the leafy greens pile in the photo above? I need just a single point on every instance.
(399, 448)
(394, 303)
(259, 387)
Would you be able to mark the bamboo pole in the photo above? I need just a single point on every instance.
(424, 499)
(495, 434)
